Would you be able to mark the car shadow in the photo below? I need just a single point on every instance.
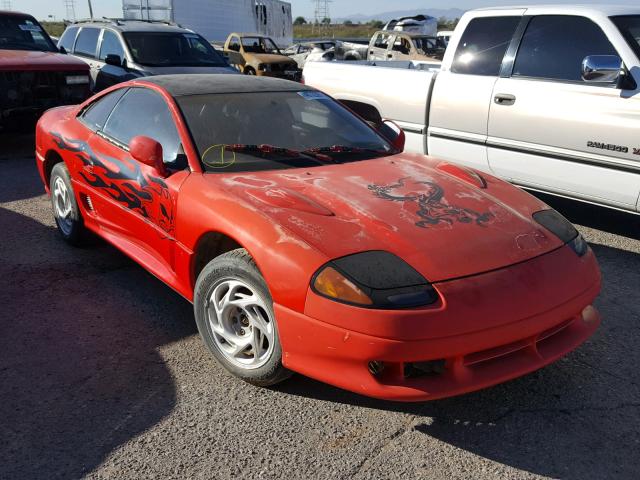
(575, 419)
(594, 216)
(81, 366)
(18, 183)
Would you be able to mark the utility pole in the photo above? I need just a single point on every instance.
(90, 10)
(321, 18)
(70, 6)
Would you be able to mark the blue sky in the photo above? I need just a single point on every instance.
(339, 8)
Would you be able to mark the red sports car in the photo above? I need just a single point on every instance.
(308, 242)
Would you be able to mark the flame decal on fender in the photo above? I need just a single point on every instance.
(124, 181)
(433, 208)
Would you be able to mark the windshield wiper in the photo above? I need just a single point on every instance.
(344, 149)
(273, 149)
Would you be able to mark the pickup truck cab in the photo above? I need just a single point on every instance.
(544, 96)
(255, 54)
(34, 76)
(392, 45)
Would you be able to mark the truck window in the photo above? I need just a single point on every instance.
(629, 26)
(483, 45)
(68, 38)
(87, 42)
(234, 44)
(111, 45)
(382, 41)
(402, 45)
(554, 46)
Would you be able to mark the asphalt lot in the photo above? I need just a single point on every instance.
(103, 375)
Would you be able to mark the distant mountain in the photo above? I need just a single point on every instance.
(449, 13)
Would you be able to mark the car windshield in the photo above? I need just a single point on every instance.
(260, 45)
(244, 132)
(155, 49)
(23, 33)
(629, 26)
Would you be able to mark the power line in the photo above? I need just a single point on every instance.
(321, 17)
(70, 6)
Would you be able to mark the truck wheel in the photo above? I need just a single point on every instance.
(249, 71)
(65, 207)
(234, 313)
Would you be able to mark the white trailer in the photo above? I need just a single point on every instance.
(216, 19)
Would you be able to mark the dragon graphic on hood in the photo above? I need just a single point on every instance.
(433, 209)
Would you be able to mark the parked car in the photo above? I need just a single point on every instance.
(121, 50)
(311, 51)
(546, 97)
(254, 54)
(390, 45)
(34, 76)
(308, 242)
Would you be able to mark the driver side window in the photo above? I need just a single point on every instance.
(144, 112)
(234, 44)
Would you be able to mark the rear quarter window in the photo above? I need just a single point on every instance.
(483, 45)
(68, 38)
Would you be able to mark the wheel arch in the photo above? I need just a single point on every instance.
(211, 245)
(51, 159)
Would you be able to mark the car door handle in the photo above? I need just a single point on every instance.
(504, 99)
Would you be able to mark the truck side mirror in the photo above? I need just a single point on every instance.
(113, 59)
(149, 152)
(601, 68)
(393, 133)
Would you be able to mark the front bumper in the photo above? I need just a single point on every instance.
(483, 333)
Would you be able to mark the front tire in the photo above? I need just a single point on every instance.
(65, 208)
(234, 314)
(249, 71)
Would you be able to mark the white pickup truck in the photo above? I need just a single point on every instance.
(547, 97)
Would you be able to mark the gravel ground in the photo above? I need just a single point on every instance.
(103, 375)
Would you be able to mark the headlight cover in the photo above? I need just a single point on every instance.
(563, 229)
(374, 279)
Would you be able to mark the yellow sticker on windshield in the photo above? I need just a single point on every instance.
(217, 156)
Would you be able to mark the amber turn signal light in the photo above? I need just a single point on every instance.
(333, 284)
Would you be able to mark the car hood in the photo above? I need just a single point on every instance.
(11, 60)
(271, 58)
(444, 226)
(178, 70)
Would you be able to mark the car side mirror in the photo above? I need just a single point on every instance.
(148, 151)
(393, 133)
(113, 59)
(601, 68)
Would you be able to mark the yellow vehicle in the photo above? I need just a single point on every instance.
(255, 54)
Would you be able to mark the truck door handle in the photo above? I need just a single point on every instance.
(504, 99)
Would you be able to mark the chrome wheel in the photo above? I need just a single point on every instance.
(242, 327)
(62, 205)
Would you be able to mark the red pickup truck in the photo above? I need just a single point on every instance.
(34, 75)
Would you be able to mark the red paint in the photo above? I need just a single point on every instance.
(511, 294)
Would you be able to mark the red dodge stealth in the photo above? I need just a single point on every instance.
(308, 242)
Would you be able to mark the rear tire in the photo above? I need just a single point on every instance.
(65, 207)
(234, 314)
(249, 71)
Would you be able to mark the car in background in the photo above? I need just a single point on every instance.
(445, 35)
(255, 54)
(121, 50)
(311, 52)
(402, 46)
(309, 242)
(34, 75)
